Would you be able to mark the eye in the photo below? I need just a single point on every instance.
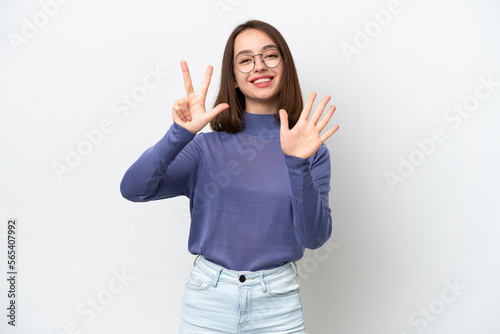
(272, 55)
(244, 60)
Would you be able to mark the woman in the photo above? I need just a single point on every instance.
(258, 186)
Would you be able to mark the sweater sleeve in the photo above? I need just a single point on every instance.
(310, 185)
(165, 170)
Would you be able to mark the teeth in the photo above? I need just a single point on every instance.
(262, 80)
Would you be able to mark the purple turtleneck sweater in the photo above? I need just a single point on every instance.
(252, 207)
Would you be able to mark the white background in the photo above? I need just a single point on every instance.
(394, 251)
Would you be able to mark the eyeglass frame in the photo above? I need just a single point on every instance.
(263, 61)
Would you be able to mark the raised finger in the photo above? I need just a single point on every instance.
(319, 109)
(283, 121)
(187, 78)
(206, 80)
(330, 132)
(308, 106)
(324, 121)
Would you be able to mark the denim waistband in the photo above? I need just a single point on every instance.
(221, 274)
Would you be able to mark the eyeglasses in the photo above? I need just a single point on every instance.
(246, 63)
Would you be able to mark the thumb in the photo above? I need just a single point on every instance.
(216, 110)
(284, 121)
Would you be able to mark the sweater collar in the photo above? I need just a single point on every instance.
(261, 126)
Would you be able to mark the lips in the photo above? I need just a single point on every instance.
(262, 79)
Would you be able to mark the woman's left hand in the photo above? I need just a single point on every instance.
(305, 138)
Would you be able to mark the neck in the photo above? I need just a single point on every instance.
(261, 107)
(261, 125)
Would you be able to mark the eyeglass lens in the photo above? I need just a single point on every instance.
(246, 63)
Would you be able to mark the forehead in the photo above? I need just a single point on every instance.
(252, 40)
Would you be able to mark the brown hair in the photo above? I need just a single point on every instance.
(290, 96)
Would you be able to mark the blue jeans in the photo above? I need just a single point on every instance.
(218, 300)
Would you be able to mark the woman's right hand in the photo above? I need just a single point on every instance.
(189, 112)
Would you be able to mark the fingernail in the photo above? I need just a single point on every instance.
(188, 118)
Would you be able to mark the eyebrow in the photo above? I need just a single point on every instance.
(270, 46)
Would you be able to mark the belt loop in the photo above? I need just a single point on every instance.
(296, 269)
(262, 283)
(196, 259)
(216, 279)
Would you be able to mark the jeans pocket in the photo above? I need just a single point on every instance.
(283, 286)
(198, 280)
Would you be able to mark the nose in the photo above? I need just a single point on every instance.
(259, 63)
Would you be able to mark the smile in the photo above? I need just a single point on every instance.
(262, 80)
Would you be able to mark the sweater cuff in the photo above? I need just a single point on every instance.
(173, 141)
(299, 170)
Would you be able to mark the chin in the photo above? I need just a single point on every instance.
(265, 95)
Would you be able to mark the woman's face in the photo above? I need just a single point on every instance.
(251, 42)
